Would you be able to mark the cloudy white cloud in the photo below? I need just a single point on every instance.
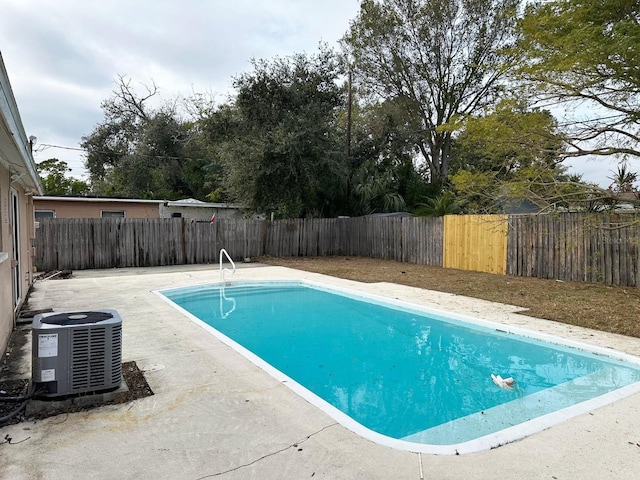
(63, 56)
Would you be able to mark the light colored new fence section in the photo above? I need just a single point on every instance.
(78, 244)
(476, 242)
(602, 248)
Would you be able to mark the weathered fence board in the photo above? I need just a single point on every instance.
(602, 248)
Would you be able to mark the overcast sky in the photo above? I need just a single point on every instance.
(63, 56)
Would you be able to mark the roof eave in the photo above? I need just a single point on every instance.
(23, 171)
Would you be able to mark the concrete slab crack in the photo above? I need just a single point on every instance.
(293, 445)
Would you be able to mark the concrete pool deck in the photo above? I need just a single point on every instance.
(216, 415)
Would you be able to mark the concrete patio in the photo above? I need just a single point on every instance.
(216, 415)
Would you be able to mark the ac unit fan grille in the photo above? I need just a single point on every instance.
(88, 358)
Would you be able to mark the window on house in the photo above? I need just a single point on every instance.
(45, 214)
(112, 213)
(176, 215)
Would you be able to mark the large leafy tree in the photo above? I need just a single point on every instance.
(383, 176)
(507, 138)
(140, 151)
(510, 159)
(285, 155)
(441, 59)
(125, 114)
(218, 125)
(55, 180)
(584, 54)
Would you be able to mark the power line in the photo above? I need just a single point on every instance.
(135, 154)
(43, 146)
(591, 120)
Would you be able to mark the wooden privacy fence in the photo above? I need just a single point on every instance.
(601, 248)
(87, 243)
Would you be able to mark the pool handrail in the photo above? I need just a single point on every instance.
(224, 298)
(222, 270)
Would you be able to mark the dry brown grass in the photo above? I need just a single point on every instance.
(601, 307)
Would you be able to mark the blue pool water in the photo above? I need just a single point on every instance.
(399, 371)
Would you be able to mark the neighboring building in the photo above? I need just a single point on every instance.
(19, 181)
(197, 210)
(87, 207)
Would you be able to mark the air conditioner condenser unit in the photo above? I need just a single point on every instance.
(76, 352)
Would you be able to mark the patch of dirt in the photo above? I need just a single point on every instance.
(11, 388)
(601, 307)
(138, 386)
(131, 375)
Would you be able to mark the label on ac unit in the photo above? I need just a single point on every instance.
(48, 345)
(48, 375)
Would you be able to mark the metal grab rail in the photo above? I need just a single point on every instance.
(222, 270)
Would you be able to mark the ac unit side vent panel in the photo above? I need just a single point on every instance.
(116, 354)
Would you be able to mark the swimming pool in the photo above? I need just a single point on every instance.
(405, 376)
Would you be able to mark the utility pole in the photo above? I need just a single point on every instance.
(349, 100)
